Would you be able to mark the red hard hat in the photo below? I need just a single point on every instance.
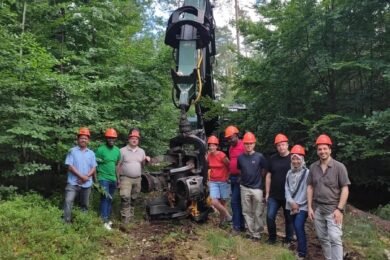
(323, 139)
(212, 140)
(298, 149)
(84, 131)
(249, 138)
(280, 138)
(110, 132)
(231, 130)
(134, 133)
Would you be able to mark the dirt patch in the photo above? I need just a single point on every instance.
(180, 239)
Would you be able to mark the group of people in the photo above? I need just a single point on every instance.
(115, 168)
(319, 192)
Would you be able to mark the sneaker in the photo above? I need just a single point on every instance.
(110, 223)
(229, 218)
(107, 226)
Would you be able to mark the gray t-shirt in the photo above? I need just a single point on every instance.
(131, 161)
(327, 186)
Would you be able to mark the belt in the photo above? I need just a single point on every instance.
(130, 177)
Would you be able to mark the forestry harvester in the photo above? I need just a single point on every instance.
(183, 183)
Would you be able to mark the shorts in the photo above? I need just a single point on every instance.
(219, 190)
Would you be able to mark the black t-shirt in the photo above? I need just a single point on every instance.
(251, 167)
(278, 167)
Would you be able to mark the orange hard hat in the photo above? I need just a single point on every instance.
(134, 133)
(298, 149)
(231, 130)
(323, 139)
(280, 138)
(249, 138)
(110, 132)
(212, 140)
(84, 131)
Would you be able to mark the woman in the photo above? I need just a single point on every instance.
(218, 176)
(296, 198)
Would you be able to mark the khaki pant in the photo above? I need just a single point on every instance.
(329, 234)
(129, 190)
(252, 209)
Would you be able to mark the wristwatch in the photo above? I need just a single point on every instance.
(340, 209)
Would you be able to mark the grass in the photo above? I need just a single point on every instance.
(361, 235)
(220, 245)
(31, 228)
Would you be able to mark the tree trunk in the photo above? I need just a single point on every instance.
(237, 8)
(22, 26)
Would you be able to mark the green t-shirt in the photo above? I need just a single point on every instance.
(107, 159)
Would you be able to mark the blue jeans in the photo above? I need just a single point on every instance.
(299, 227)
(71, 191)
(106, 201)
(273, 206)
(238, 218)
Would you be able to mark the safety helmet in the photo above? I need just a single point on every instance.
(280, 138)
(212, 140)
(134, 132)
(323, 139)
(84, 131)
(249, 138)
(110, 132)
(298, 149)
(231, 130)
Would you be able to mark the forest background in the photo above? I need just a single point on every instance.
(307, 67)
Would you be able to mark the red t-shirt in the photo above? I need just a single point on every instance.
(218, 169)
(234, 152)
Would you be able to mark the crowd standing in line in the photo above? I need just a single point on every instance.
(319, 193)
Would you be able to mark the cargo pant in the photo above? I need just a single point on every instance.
(329, 234)
(252, 209)
(129, 190)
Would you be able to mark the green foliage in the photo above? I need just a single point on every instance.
(383, 211)
(7, 192)
(31, 227)
(362, 234)
(83, 63)
(219, 243)
(321, 67)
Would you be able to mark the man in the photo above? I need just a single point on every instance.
(279, 164)
(236, 149)
(252, 166)
(107, 157)
(328, 188)
(130, 168)
(81, 163)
